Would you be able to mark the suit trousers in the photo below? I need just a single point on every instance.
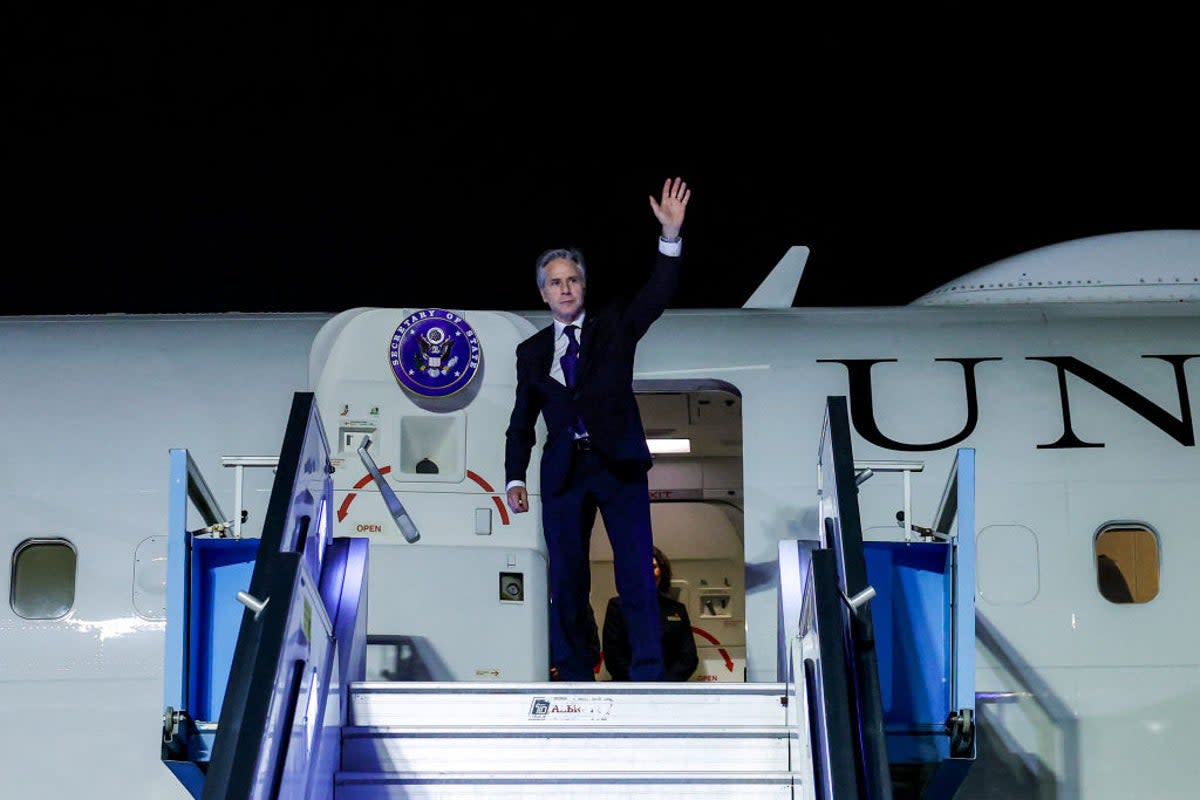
(623, 499)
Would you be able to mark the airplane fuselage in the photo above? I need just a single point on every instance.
(1081, 416)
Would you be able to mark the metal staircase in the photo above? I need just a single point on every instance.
(453, 741)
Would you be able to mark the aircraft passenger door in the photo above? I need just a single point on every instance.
(840, 669)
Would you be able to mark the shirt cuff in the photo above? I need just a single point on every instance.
(511, 484)
(670, 248)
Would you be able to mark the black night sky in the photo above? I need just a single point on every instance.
(278, 157)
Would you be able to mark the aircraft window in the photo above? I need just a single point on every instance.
(1127, 563)
(43, 579)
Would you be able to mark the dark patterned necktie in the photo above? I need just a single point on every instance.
(570, 359)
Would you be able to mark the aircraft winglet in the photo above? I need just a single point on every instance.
(778, 289)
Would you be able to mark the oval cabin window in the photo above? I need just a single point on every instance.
(43, 579)
(1127, 563)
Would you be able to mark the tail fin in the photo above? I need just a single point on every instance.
(778, 289)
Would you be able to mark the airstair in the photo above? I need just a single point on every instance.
(570, 740)
(265, 697)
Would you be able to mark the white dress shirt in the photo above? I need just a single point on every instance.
(560, 345)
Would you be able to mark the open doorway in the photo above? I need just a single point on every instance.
(696, 508)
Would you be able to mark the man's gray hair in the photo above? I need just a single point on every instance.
(569, 254)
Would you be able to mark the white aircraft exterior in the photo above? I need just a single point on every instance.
(1071, 371)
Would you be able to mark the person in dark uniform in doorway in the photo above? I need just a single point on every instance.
(678, 645)
(578, 374)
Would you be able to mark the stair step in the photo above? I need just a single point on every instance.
(583, 748)
(477, 705)
(743, 785)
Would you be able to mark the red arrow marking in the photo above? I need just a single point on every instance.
(344, 508)
(365, 479)
(503, 511)
(706, 635)
(487, 487)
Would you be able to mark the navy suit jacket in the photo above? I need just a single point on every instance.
(603, 391)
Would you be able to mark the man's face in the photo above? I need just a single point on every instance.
(563, 291)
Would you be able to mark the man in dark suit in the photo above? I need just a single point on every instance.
(578, 373)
